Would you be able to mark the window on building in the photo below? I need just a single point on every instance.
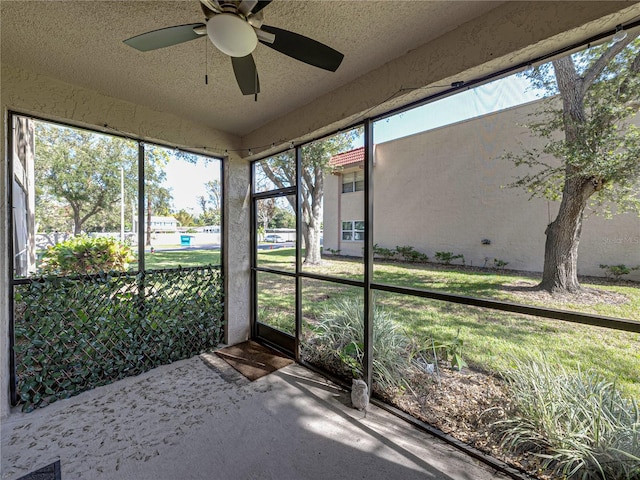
(353, 182)
(353, 230)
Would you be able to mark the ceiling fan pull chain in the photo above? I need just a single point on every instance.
(255, 80)
(206, 63)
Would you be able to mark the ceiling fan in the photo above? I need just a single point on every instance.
(235, 27)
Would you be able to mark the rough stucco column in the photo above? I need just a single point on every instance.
(4, 286)
(237, 253)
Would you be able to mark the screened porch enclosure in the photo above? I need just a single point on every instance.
(387, 223)
(91, 302)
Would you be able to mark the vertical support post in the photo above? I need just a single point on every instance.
(141, 229)
(254, 251)
(121, 203)
(13, 385)
(298, 279)
(368, 254)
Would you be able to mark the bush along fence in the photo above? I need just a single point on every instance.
(75, 333)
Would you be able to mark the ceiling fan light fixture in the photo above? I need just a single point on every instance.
(231, 35)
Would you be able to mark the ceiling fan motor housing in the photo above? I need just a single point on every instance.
(231, 34)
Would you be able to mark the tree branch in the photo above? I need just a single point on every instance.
(596, 69)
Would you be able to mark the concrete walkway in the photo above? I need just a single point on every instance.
(199, 420)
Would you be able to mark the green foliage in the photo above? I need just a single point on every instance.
(451, 352)
(78, 176)
(78, 179)
(410, 254)
(448, 257)
(333, 251)
(578, 423)
(616, 271)
(499, 263)
(184, 218)
(283, 218)
(385, 253)
(340, 334)
(73, 334)
(86, 255)
(604, 146)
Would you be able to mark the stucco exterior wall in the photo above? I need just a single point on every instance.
(443, 190)
(25, 92)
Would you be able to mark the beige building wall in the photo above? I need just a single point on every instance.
(444, 190)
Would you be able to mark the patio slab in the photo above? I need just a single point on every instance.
(197, 420)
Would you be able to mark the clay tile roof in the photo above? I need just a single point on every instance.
(348, 158)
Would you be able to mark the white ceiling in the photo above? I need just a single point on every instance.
(80, 42)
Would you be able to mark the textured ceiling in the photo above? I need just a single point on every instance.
(80, 42)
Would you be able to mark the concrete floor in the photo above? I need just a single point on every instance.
(199, 419)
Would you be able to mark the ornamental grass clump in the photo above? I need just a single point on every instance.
(340, 335)
(579, 424)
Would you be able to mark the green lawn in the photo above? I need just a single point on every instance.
(490, 337)
(181, 258)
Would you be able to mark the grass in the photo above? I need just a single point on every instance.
(491, 338)
(181, 258)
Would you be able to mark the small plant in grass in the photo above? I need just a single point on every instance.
(382, 252)
(86, 255)
(579, 424)
(340, 334)
(410, 254)
(500, 264)
(452, 352)
(616, 271)
(333, 251)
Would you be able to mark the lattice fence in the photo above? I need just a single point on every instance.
(75, 333)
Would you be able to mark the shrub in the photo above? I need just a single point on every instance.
(617, 271)
(340, 332)
(385, 253)
(410, 254)
(86, 255)
(448, 257)
(499, 263)
(579, 424)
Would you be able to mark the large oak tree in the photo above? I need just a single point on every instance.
(78, 179)
(593, 145)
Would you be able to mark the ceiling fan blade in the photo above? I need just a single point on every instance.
(164, 37)
(246, 6)
(246, 74)
(260, 6)
(304, 49)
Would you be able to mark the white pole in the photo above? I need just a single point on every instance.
(121, 204)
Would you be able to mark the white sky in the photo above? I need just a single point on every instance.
(187, 181)
(491, 97)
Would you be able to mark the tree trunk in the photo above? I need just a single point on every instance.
(560, 272)
(77, 224)
(311, 237)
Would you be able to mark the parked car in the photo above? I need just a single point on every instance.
(273, 238)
